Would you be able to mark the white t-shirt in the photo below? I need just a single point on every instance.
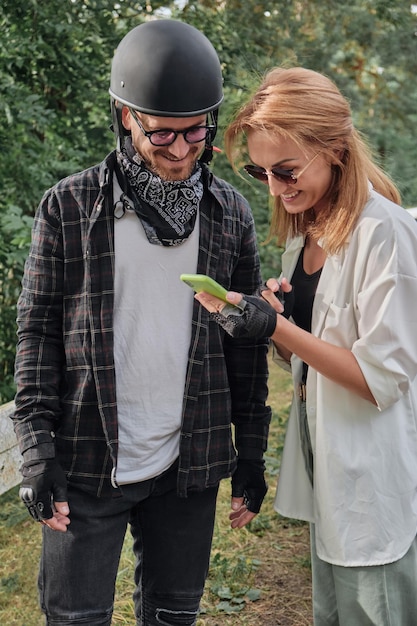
(152, 332)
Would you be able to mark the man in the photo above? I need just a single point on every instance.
(125, 405)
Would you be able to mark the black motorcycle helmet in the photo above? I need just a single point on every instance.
(166, 68)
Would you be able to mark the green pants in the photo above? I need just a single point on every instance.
(381, 595)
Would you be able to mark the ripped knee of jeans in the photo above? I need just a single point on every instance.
(166, 617)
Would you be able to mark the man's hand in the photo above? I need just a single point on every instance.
(251, 317)
(44, 491)
(248, 491)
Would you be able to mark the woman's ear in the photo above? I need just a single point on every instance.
(337, 156)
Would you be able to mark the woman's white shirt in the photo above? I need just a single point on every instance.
(364, 503)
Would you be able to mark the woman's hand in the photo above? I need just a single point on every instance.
(279, 294)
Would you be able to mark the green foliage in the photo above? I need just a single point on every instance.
(14, 232)
(54, 107)
(54, 119)
(12, 511)
(230, 582)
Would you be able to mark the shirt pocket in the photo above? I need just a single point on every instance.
(340, 326)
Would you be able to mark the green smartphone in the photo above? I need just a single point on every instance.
(201, 282)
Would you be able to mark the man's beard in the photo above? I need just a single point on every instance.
(172, 174)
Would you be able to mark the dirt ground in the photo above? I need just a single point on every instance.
(283, 577)
(286, 580)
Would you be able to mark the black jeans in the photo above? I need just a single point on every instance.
(171, 539)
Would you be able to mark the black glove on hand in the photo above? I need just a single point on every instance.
(248, 482)
(255, 318)
(43, 482)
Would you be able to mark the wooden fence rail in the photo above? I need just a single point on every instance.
(10, 457)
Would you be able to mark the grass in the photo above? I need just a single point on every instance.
(259, 576)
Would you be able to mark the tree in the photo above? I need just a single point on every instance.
(54, 119)
(369, 50)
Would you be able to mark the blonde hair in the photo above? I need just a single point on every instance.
(307, 107)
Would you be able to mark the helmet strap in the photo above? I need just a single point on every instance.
(117, 125)
(207, 155)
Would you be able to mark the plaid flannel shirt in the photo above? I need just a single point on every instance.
(66, 394)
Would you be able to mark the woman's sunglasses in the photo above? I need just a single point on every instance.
(283, 176)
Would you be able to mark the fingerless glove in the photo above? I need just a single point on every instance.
(248, 482)
(43, 483)
(256, 318)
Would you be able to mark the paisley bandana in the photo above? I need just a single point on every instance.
(167, 209)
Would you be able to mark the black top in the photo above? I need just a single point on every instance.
(304, 288)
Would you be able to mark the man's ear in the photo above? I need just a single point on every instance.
(126, 118)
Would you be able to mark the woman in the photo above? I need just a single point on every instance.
(349, 464)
